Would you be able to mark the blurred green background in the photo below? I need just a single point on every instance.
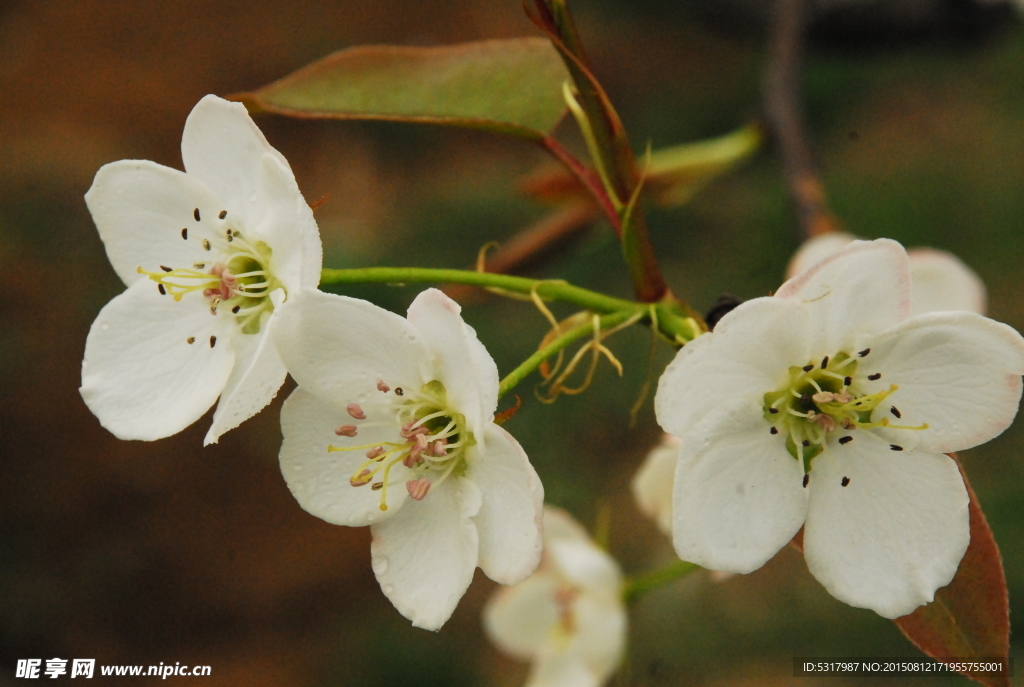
(137, 553)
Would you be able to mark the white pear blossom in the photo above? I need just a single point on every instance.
(210, 256)
(652, 483)
(941, 281)
(569, 619)
(827, 406)
(392, 426)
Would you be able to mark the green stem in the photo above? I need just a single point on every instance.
(548, 290)
(533, 362)
(638, 586)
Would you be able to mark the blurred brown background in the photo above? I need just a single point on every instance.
(137, 553)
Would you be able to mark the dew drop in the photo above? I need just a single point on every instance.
(388, 589)
(105, 326)
(380, 566)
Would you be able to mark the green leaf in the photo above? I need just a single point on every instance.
(671, 176)
(512, 86)
(970, 617)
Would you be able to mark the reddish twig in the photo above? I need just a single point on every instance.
(785, 119)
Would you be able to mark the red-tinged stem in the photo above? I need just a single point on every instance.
(587, 178)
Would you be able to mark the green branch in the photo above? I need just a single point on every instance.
(638, 586)
(546, 289)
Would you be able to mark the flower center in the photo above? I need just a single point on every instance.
(821, 398)
(238, 280)
(433, 441)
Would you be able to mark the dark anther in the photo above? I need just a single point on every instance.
(846, 481)
(376, 486)
(847, 381)
(223, 214)
(845, 440)
(864, 352)
(195, 213)
(722, 306)
(165, 269)
(191, 339)
(807, 478)
(876, 376)
(213, 341)
(773, 410)
(894, 447)
(398, 391)
(184, 233)
(806, 443)
(206, 244)
(808, 368)
(236, 309)
(774, 430)
(824, 362)
(161, 289)
(895, 411)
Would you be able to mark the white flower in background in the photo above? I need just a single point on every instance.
(209, 255)
(392, 426)
(569, 619)
(941, 281)
(826, 406)
(652, 484)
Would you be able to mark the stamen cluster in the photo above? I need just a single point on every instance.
(821, 398)
(433, 442)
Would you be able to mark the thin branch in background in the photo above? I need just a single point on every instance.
(783, 110)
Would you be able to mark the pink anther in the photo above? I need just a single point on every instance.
(374, 452)
(826, 422)
(843, 396)
(361, 478)
(346, 431)
(381, 386)
(421, 442)
(355, 411)
(418, 488)
(439, 449)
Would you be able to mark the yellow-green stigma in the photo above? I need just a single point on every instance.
(824, 397)
(432, 441)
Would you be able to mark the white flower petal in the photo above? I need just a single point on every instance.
(652, 483)
(894, 534)
(223, 148)
(425, 555)
(815, 249)
(140, 376)
(562, 669)
(319, 479)
(463, 364)
(863, 289)
(585, 566)
(510, 517)
(141, 208)
(738, 493)
(558, 524)
(255, 379)
(601, 627)
(747, 355)
(287, 224)
(943, 282)
(520, 619)
(957, 371)
(338, 347)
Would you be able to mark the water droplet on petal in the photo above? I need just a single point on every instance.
(388, 589)
(380, 566)
(105, 326)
